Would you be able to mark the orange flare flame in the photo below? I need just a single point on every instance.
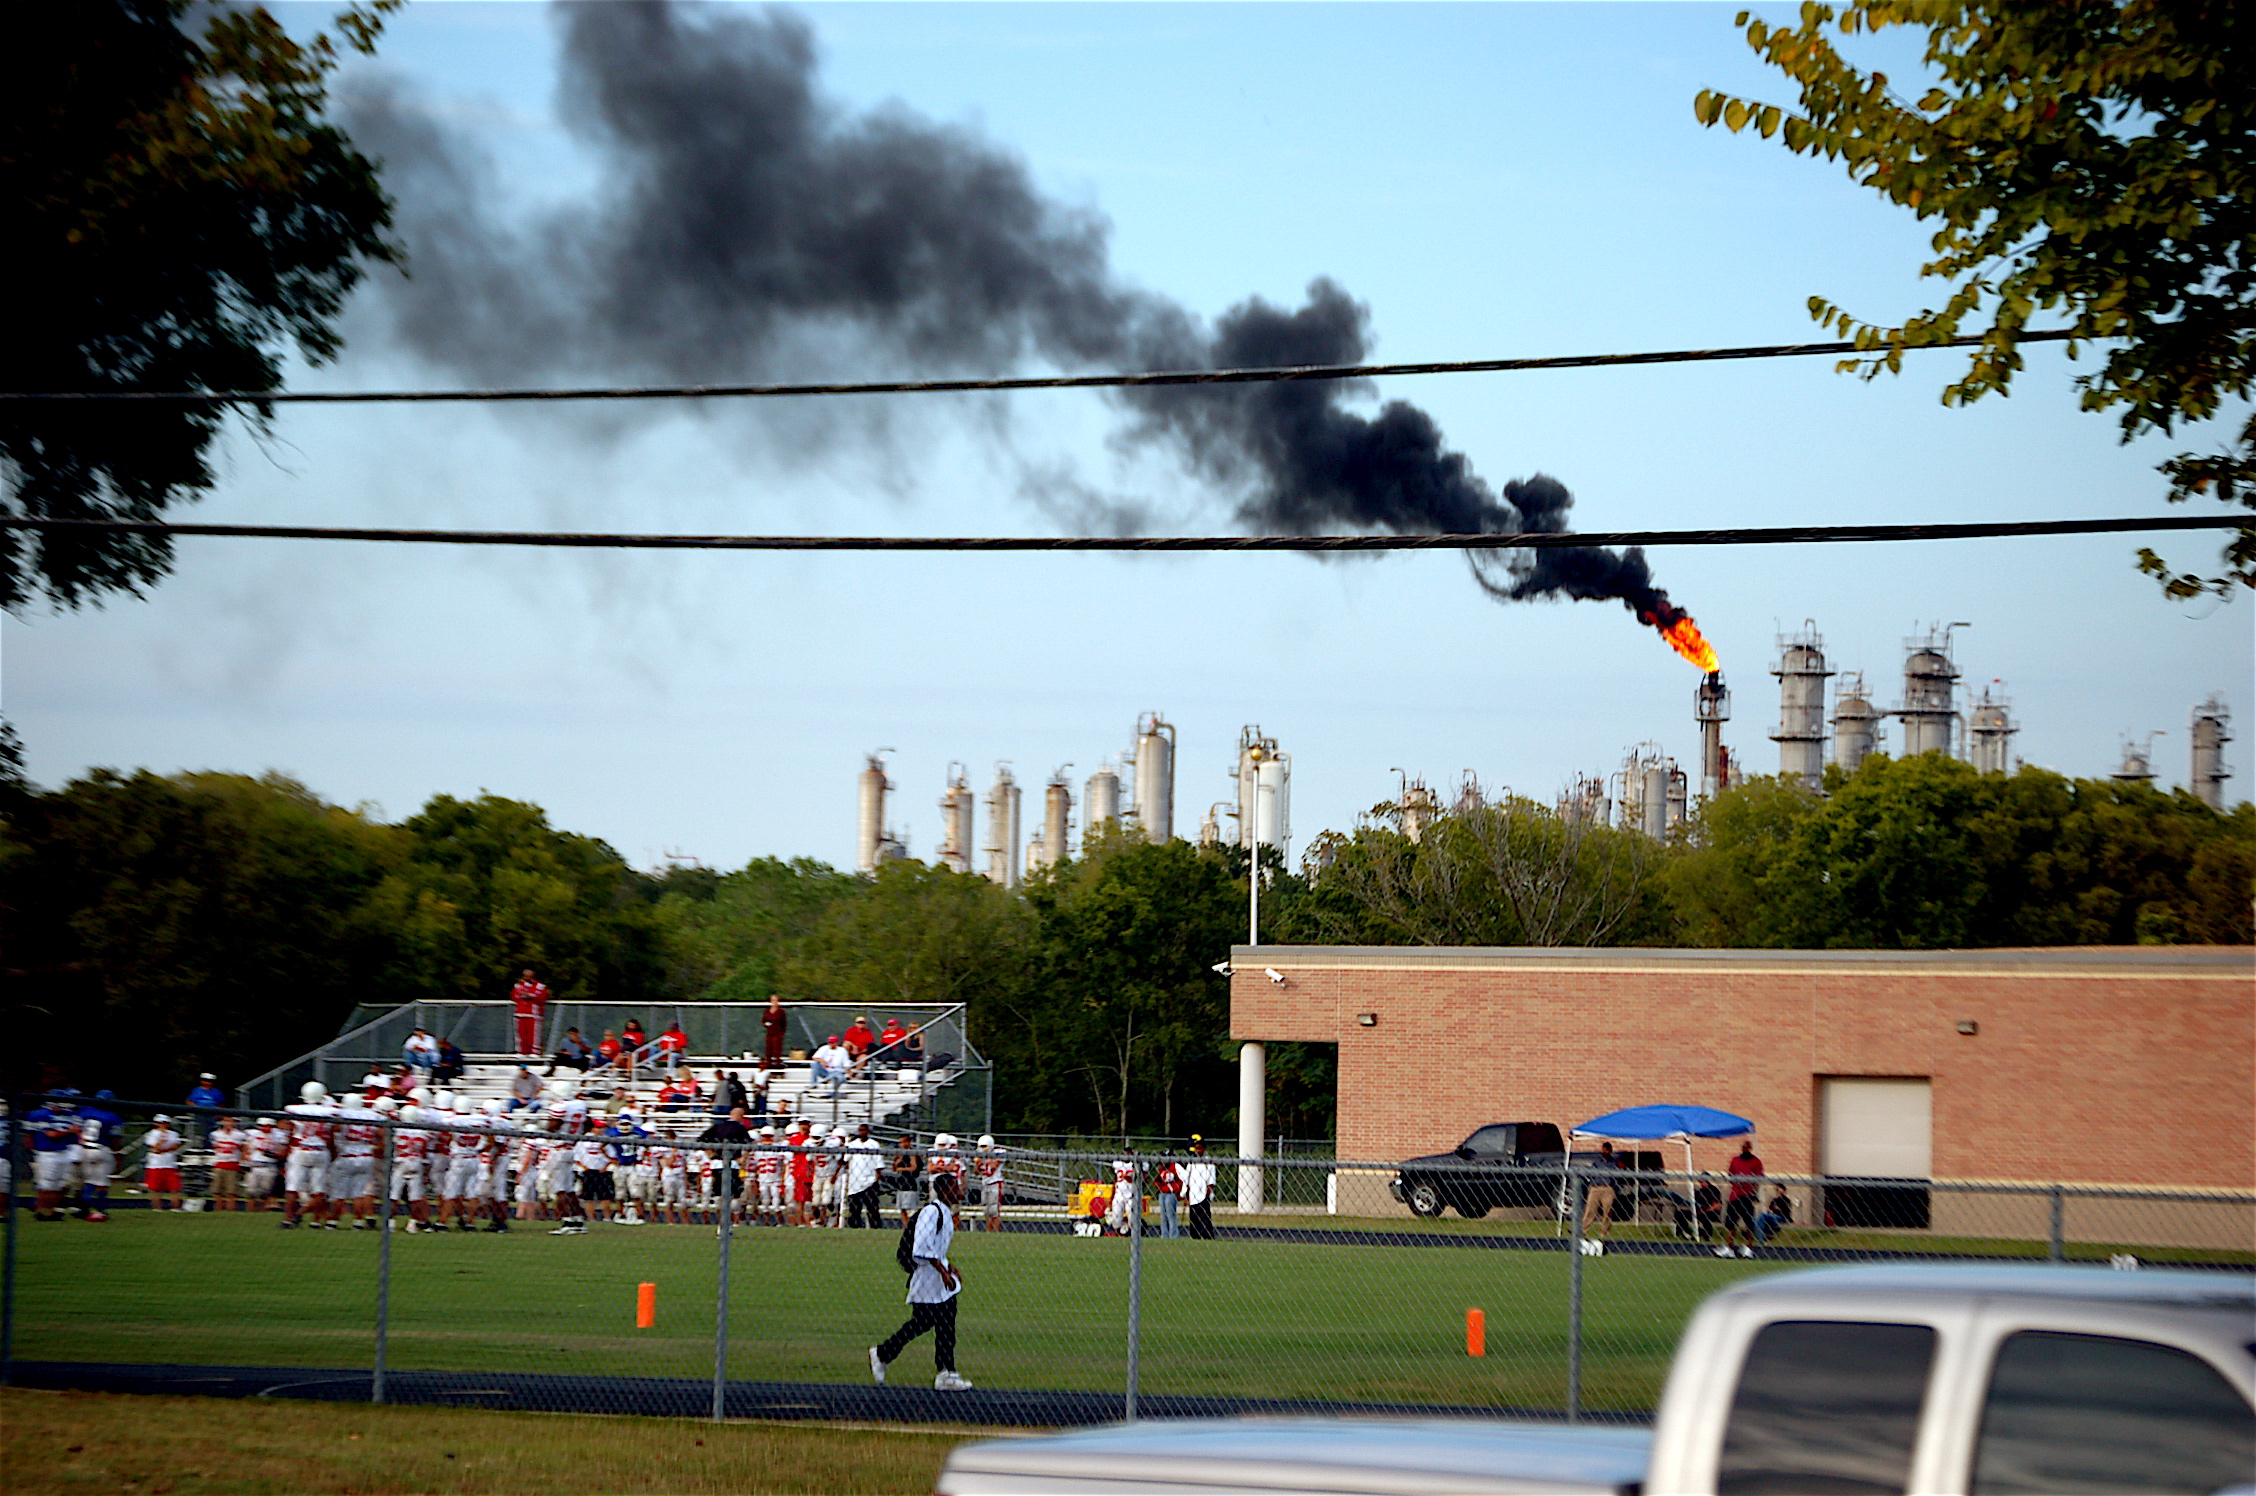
(1685, 638)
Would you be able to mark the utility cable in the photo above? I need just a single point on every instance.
(1519, 540)
(966, 386)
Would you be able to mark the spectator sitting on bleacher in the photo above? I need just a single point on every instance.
(574, 1052)
(610, 1049)
(830, 1064)
(678, 1094)
(421, 1050)
(451, 1063)
(889, 1043)
(859, 1036)
(673, 1046)
(729, 1094)
(632, 1035)
(524, 1088)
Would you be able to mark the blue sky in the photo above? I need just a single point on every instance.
(1491, 180)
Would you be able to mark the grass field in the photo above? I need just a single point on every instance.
(1255, 1319)
(71, 1442)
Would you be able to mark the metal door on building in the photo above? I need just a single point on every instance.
(1876, 1128)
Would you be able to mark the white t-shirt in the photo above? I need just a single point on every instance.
(935, 1232)
(590, 1154)
(1198, 1182)
(833, 1057)
(164, 1148)
(864, 1160)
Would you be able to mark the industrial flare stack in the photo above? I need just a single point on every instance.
(1647, 793)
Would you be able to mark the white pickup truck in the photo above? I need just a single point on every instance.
(1939, 1381)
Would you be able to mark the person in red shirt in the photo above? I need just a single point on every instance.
(608, 1052)
(673, 1045)
(530, 998)
(1739, 1210)
(631, 1041)
(860, 1037)
(777, 1023)
(802, 1175)
(889, 1041)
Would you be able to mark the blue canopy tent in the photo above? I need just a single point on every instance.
(1658, 1124)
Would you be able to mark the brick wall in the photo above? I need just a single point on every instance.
(2099, 1066)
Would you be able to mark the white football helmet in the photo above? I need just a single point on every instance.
(313, 1091)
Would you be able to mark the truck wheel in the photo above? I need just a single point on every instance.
(1471, 1211)
(1424, 1199)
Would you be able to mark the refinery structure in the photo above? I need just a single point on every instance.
(1932, 714)
(1132, 791)
(1825, 716)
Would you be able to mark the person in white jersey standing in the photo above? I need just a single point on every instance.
(305, 1174)
(933, 1286)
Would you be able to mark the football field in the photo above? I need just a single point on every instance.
(1257, 1319)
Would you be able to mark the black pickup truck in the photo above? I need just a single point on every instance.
(1503, 1164)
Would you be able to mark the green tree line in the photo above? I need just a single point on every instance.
(158, 925)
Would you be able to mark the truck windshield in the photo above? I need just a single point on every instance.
(1826, 1409)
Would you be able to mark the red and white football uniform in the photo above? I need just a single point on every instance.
(767, 1167)
(529, 1158)
(264, 1151)
(464, 1162)
(673, 1176)
(352, 1174)
(312, 1129)
(409, 1146)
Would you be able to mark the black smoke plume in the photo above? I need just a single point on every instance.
(746, 227)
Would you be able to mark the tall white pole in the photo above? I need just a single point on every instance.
(1253, 1087)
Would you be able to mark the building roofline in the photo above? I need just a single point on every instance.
(2177, 962)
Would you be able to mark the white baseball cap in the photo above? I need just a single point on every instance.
(160, 1117)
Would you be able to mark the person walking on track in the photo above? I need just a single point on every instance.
(933, 1286)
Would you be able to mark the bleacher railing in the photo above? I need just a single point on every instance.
(1501, 1291)
(722, 1032)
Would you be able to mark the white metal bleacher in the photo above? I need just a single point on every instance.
(860, 1099)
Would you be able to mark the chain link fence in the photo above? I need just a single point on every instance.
(584, 1259)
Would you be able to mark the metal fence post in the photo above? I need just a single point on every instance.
(16, 1162)
(1574, 1186)
(729, 1161)
(383, 1261)
(1135, 1283)
(2057, 1246)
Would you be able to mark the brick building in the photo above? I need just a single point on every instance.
(2092, 1065)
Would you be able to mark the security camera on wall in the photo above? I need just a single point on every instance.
(1274, 975)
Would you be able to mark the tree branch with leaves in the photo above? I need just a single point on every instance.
(2084, 158)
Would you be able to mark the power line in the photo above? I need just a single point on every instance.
(966, 386)
(1524, 540)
